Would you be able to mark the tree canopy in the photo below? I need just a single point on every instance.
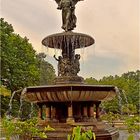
(128, 84)
(18, 59)
(20, 64)
(47, 72)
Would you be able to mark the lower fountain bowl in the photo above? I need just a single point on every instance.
(69, 92)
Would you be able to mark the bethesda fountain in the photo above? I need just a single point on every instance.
(70, 102)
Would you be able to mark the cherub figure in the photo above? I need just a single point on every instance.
(60, 64)
(64, 66)
(68, 13)
(76, 64)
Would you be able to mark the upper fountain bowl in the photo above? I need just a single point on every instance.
(69, 92)
(77, 40)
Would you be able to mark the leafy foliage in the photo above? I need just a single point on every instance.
(128, 84)
(78, 135)
(47, 72)
(20, 66)
(5, 98)
(18, 59)
(4, 91)
(111, 117)
(48, 128)
(129, 109)
(132, 124)
(23, 128)
(91, 81)
(130, 137)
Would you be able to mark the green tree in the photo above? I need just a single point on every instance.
(128, 84)
(47, 72)
(91, 81)
(5, 97)
(18, 59)
(132, 124)
(111, 106)
(111, 117)
(132, 89)
(129, 109)
(20, 66)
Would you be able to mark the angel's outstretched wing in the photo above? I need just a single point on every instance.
(57, 1)
(75, 1)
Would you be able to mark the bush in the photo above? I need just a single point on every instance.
(78, 135)
(111, 117)
(132, 124)
(13, 127)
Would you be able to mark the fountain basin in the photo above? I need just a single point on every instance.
(70, 92)
(76, 40)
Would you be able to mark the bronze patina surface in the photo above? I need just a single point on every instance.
(70, 92)
(68, 63)
(68, 13)
(70, 102)
(68, 39)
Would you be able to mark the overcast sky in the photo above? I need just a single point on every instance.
(112, 23)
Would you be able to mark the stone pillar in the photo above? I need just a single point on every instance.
(79, 113)
(85, 113)
(97, 110)
(70, 118)
(40, 111)
(91, 111)
(53, 114)
(48, 113)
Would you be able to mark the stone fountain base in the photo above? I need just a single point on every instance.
(69, 80)
(68, 105)
(102, 131)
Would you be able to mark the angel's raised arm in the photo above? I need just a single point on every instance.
(75, 1)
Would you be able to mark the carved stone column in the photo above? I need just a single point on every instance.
(97, 110)
(85, 113)
(40, 111)
(53, 114)
(70, 118)
(48, 113)
(79, 113)
(91, 111)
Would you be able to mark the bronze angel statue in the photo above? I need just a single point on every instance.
(68, 13)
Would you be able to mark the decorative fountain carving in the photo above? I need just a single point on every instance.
(68, 63)
(70, 102)
(66, 67)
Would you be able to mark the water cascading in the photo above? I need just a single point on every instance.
(9, 111)
(10, 105)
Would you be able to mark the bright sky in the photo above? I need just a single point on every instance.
(114, 24)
